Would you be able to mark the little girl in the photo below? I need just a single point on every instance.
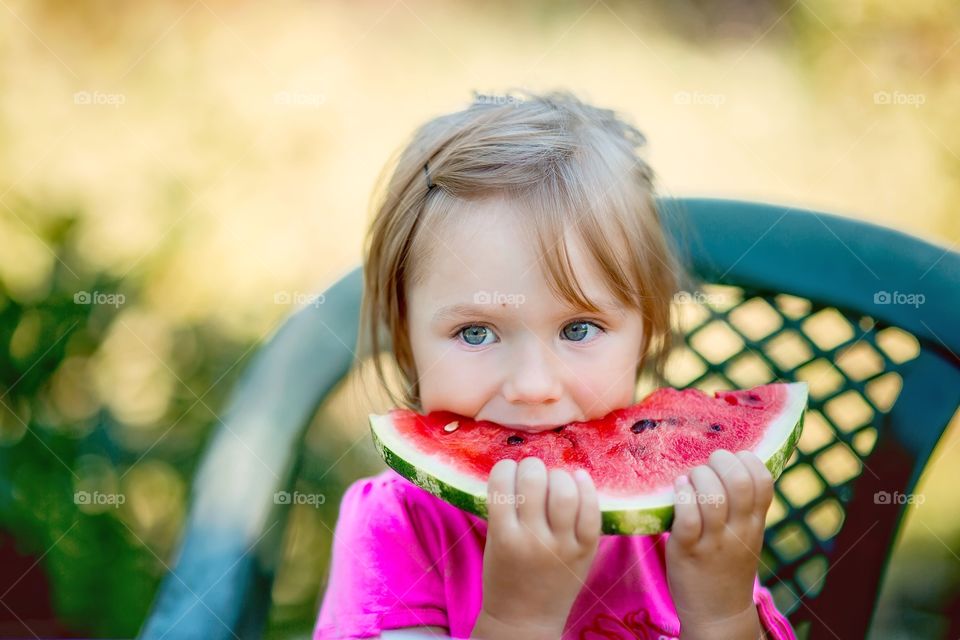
(517, 266)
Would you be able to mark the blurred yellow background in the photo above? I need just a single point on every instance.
(210, 155)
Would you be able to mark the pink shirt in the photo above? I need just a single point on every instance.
(404, 558)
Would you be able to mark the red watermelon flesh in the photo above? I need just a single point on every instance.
(633, 454)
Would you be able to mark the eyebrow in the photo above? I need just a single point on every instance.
(463, 310)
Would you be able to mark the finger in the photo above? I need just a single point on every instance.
(501, 501)
(589, 520)
(532, 494)
(738, 482)
(762, 481)
(687, 524)
(711, 498)
(563, 499)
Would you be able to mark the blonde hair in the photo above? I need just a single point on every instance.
(565, 165)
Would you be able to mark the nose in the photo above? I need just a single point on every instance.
(533, 377)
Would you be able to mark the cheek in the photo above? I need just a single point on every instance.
(606, 383)
(603, 391)
(452, 380)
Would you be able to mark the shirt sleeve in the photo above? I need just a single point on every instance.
(382, 575)
(774, 623)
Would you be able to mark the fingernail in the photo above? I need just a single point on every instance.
(682, 480)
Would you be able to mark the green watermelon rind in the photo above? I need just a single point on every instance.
(641, 521)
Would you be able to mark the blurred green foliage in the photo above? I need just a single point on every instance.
(57, 438)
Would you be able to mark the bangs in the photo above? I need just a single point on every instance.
(554, 219)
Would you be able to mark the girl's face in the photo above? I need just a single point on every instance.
(490, 340)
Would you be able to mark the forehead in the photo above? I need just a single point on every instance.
(488, 253)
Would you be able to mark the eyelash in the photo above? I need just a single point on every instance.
(456, 332)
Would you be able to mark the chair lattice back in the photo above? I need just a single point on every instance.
(736, 337)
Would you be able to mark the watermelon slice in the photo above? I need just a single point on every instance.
(633, 454)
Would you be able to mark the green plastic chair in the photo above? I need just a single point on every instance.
(787, 294)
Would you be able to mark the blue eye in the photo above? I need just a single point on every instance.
(476, 332)
(478, 335)
(579, 330)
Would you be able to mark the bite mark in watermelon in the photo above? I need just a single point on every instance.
(633, 454)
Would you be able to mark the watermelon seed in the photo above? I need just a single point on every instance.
(642, 425)
(753, 397)
(514, 439)
(451, 427)
(716, 427)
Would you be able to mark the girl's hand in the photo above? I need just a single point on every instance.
(542, 535)
(714, 547)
